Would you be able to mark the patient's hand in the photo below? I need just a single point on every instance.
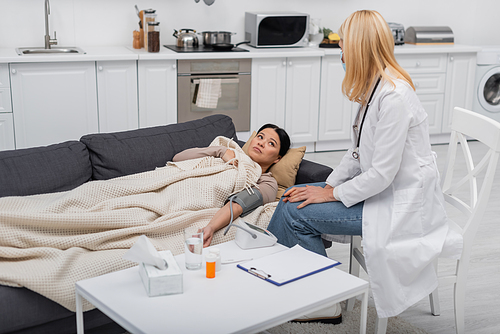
(230, 155)
(208, 234)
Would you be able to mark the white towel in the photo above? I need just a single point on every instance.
(209, 93)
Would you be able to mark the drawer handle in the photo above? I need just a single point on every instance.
(418, 64)
(290, 63)
(284, 63)
(223, 80)
(451, 58)
(174, 66)
(100, 68)
(13, 71)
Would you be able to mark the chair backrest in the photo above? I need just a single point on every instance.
(470, 125)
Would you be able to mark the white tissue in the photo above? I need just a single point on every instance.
(143, 251)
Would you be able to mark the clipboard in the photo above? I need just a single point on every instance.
(288, 266)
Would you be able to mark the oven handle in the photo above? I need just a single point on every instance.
(232, 80)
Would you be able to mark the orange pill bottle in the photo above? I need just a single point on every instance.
(210, 259)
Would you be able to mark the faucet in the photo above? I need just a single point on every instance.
(48, 41)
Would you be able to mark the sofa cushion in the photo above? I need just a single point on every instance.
(129, 152)
(46, 169)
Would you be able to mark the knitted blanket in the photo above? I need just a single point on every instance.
(49, 242)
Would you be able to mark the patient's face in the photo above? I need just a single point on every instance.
(265, 147)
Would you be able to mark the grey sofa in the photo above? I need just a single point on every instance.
(67, 165)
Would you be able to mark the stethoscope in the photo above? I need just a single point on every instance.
(355, 153)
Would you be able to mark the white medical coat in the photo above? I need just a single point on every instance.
(404, 220)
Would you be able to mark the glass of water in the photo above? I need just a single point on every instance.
(193, 247)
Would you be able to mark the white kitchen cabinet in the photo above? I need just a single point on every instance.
(117, 95)
(5, 101)
(6, 122)
(6, 132)
(433, 105)
(302, 99)
(335, 109)
(157, 92)
(442, 82)
(428, 73)
(268, 92)
(53, 102)
(285, 91)
(460, 77)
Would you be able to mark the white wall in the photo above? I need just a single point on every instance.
(111, 22)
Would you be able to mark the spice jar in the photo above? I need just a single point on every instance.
(149, 16)
(136, 44)
(153, 37)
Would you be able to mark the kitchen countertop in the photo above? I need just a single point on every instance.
(9, 55)
(422, 49)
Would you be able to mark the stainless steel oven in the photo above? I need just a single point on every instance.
(230, 96)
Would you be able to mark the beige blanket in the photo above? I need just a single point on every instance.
(49, 242)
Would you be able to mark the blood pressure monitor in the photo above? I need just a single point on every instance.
(251, 236)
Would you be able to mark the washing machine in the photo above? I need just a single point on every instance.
(487, 84)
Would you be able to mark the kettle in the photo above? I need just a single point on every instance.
(186, 38)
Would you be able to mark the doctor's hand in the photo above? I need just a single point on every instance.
(309, 194)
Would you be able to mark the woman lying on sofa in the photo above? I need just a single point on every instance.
(50, 241)
(267, 148)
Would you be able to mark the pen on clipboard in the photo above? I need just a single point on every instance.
(259, 273)
(229, 261)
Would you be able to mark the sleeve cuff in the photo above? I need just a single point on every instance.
(336, 194)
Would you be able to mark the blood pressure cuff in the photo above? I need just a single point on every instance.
(249, 200)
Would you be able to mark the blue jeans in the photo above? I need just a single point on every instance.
(304, 226)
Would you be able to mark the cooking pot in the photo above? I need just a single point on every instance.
(213, 37)
(186, 38)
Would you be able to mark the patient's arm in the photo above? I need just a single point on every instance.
(220, 219)
(200, 152)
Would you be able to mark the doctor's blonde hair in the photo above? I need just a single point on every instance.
(368, 48)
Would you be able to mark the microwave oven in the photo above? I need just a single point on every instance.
(276, 29)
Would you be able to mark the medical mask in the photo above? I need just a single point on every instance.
(341, 55)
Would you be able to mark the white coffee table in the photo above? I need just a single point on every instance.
(233, 302)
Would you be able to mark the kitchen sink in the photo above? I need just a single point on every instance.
(53, 50)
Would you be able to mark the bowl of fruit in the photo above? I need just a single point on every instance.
(330, 39)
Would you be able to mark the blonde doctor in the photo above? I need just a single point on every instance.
(386, 187)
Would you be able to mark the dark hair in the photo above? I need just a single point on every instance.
(284, 138)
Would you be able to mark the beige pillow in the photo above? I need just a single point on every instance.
(285, 170)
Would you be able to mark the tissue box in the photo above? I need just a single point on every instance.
(162, 282)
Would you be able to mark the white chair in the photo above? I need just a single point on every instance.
(465, 124)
